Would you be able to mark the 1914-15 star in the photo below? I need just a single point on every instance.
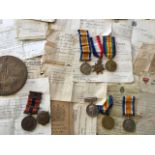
(98, 67)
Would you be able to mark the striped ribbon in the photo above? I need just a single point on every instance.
(33, 103)
(105, 109)
(109, 46)
(95, 53)
(128, 105)
(84, 40)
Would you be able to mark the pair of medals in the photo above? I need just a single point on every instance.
(128, 108)
(87, 47)
(93, 110)
(107, 121)
(29, 123)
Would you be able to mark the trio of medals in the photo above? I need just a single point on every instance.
(106, 47)
(128, 108)
(29, 123)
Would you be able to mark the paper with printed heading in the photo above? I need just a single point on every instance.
(34, 67)
(31, 30)
(97, 26)
(10, 45)
(12, 108)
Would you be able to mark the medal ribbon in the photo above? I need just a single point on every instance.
(128, 105)
(33, 103)
(95, 53)
(109, 46)
(84, 40)
(106, 106)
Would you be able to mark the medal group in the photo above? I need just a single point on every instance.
(107, 48)
(97, 57)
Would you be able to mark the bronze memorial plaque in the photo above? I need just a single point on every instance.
(13, 75)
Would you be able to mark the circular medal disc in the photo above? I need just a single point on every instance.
(13, 75)
(85, 68)
(111, 66)
(108, 122)
(43, 117)
(92, 110)
(129, 125)
(29, 123)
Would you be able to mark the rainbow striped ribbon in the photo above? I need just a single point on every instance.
(84, 40)
(105, 109)
(95, 52)
(128, 105)
(109, 46)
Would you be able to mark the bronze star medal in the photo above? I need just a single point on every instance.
(98, 67)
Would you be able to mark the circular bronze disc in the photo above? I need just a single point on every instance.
(92, 110)
(43, 117)
(29, 123)
(111, 66)
(13, 75)
(108, 122)
(129, 125)
(85, 68)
